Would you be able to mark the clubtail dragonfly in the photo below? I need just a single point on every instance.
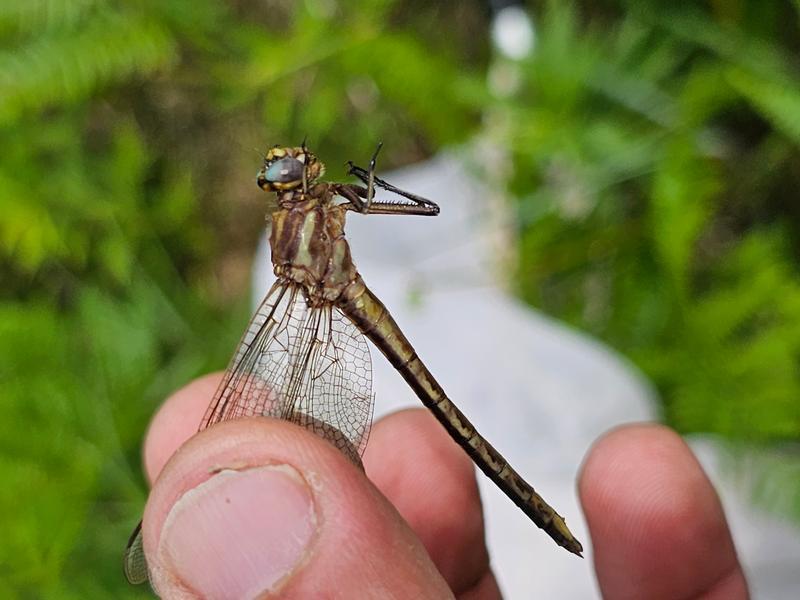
(303, 357)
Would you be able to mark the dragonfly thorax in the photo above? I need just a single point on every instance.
(309, 248)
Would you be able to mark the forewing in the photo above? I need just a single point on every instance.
(262, 361)
(307, 365)
(135, 563)
(334, 397)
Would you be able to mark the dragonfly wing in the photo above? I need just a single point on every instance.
(248, 387)
(334, 399)
(135, 563)
(308, 365)
(262, 361)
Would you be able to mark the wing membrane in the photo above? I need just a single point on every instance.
(307, 365)
(135, 563)
(331, 384)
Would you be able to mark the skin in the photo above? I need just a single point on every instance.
(656, 524)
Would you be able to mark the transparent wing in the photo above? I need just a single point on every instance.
(135, 564)
(251, 384)
(307, 365)
(330, 390)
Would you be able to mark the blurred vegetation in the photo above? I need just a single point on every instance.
(656, 163)
(130, 134)
(655, 167)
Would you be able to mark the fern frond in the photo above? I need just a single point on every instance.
(727, 42)
(28, 16)
(65, 67)
(778, 103)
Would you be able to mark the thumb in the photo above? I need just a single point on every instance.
(259, 506)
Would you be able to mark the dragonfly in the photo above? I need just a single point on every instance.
(303, 356)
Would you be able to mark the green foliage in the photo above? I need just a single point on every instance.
(655, 159)
(656, 164)
(78, 388)
(129, 135)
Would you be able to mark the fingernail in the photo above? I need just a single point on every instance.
(239, 533)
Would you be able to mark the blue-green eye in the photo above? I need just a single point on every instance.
(285, 170)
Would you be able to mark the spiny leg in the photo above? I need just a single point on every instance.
(305, 153)
(371, 176)
(363, 199)
(425, 206)
(357, 194)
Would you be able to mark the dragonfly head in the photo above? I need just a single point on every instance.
(288, 169)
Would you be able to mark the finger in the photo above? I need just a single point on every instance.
(176, 421)
(409, 458)
(257, 506)
(431, 482)
(657, 526)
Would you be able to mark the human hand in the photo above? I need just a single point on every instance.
(259, 505)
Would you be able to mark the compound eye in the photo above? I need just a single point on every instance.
(285, 170)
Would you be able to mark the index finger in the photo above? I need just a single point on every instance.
(658, 529)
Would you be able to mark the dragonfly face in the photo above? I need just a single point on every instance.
(289, 168)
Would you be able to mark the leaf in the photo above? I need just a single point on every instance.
(683, 187)
(777, 102)
(72, 64)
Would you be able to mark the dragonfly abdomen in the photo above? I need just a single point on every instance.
(373, 319)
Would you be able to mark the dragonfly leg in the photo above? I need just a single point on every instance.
(305, 176)
(368, 177)
(357, 195)
(371, 175)
(417, 206)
